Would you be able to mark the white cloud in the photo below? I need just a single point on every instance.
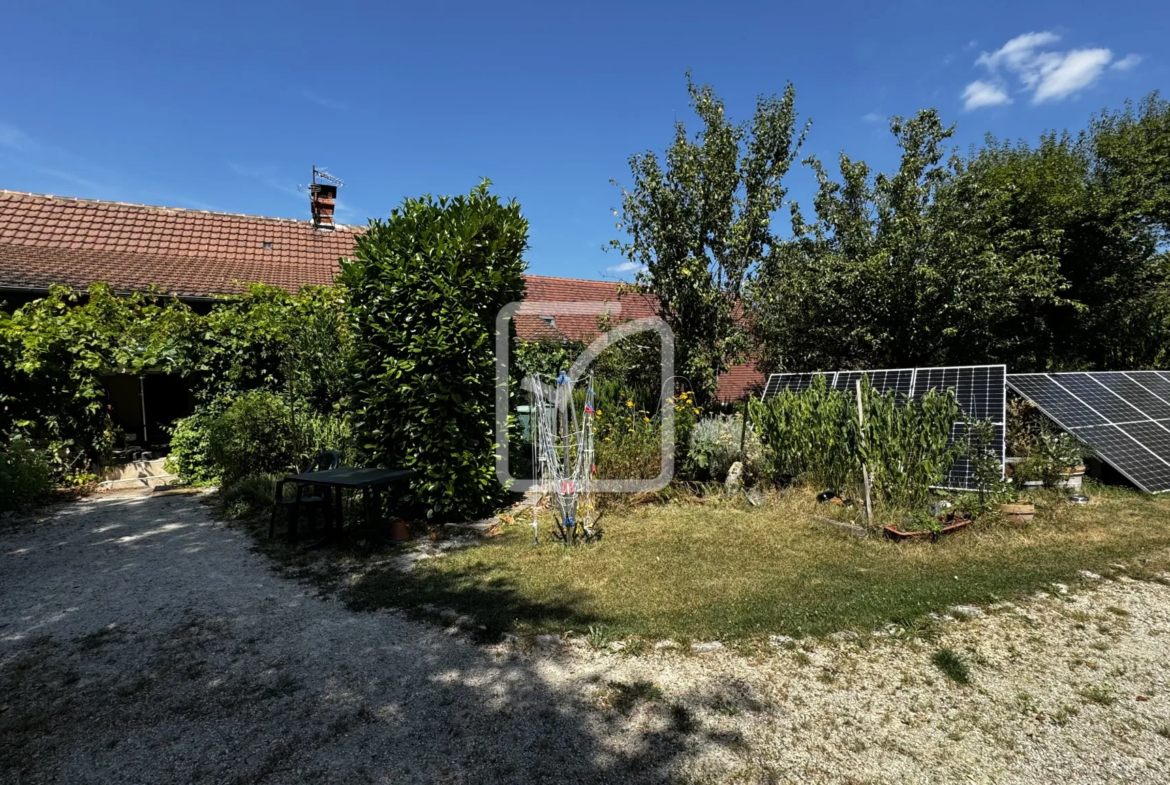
(626, 267)
(1018, 54)
(979, 94)
(872, 117)
(1049, 75)
(1076, 71)
(1127, 62)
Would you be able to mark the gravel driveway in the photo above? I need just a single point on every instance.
(141, 641)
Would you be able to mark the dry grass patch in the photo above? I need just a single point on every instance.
(727, 570)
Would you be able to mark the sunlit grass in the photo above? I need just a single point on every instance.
(726, 570)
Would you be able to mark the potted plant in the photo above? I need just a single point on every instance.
(1065, 455)
(1012, 508)
(1030, 472)
(924, 525)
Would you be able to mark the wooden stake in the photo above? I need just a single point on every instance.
(743, 429)
(864, 470)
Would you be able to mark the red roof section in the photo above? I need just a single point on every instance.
(56, 239)
(620, 303)
(195, 253)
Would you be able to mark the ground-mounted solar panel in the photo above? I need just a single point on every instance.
(980, 389)
(1123, 415)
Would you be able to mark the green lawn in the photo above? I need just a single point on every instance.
(729, 571)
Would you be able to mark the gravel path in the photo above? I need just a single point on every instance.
(140, 641)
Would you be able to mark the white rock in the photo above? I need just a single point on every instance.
(548, 641)
(966, 610)
(844, 635)
(707, 646)
(1060, 587)
(665, 644)
(1089, 576)
(780, 641)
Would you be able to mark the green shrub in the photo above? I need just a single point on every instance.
(190, 455)
(715, 447)
(248, 496)
(811, 434)
(253, 435)
(627, 443)
(316, 433)
(280, 438)
(56, 350)
(424, 290)
(814, 434)
(25, 476)
(907, 446)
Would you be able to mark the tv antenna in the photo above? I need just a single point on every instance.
(322, 175)
(322, 197)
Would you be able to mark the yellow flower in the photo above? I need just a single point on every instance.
(629, 404)
(696, 411)
(645, 419)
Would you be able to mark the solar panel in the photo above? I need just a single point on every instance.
(1123, 415)
(979, 389)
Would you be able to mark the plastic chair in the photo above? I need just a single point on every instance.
(330, 459)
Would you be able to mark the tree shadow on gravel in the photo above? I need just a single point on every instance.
(492, 603)
(141, 641)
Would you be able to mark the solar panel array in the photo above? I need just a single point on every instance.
(1123, 415)
(980, 390)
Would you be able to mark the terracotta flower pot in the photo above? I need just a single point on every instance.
(398, 530)
(953, 524)
(1018, 513)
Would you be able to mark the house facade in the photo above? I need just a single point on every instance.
(197, 255)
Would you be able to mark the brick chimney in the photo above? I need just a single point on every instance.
(322, 200)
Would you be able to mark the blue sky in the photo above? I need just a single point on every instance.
(226, 106)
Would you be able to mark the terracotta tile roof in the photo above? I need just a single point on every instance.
(531, 327)
(55, 239)
(741, 381)
(581, 327)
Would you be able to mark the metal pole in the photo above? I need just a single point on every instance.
(142, 396)
(864, 470)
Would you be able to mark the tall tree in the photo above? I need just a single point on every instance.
(700, 222)
(424, 289)
(916, 267)
(1121, 270)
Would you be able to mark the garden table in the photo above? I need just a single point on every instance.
(336, 481)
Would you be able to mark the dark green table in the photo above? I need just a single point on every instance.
(339, 480)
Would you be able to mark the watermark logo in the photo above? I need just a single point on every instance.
(577, 371)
